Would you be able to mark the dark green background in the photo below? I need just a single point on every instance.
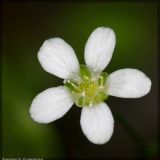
(24, 28)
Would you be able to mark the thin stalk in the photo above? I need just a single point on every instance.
(140, 143)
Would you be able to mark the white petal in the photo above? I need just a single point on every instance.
(58, 58)
(128, 83)
(51, 104)
(99, 48)
(97, 123)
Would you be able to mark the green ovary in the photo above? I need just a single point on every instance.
(90, 89)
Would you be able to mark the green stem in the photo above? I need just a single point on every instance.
(140, 143)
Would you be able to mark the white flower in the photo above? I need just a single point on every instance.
(86, 85)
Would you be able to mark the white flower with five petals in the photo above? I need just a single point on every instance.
(86, 85)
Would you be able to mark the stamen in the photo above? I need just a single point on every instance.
(89, 89)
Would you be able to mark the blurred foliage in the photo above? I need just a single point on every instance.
(21, 135)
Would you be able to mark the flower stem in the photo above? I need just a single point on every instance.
(140, 143)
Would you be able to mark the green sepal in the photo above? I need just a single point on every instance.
(80, 101)
(99, 97)
(84, 72)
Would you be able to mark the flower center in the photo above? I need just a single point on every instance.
(89, 89)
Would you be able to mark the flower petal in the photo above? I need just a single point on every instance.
(128, 83)
(58, 58)
(99, 48)
(97, 123)
(51, 104)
